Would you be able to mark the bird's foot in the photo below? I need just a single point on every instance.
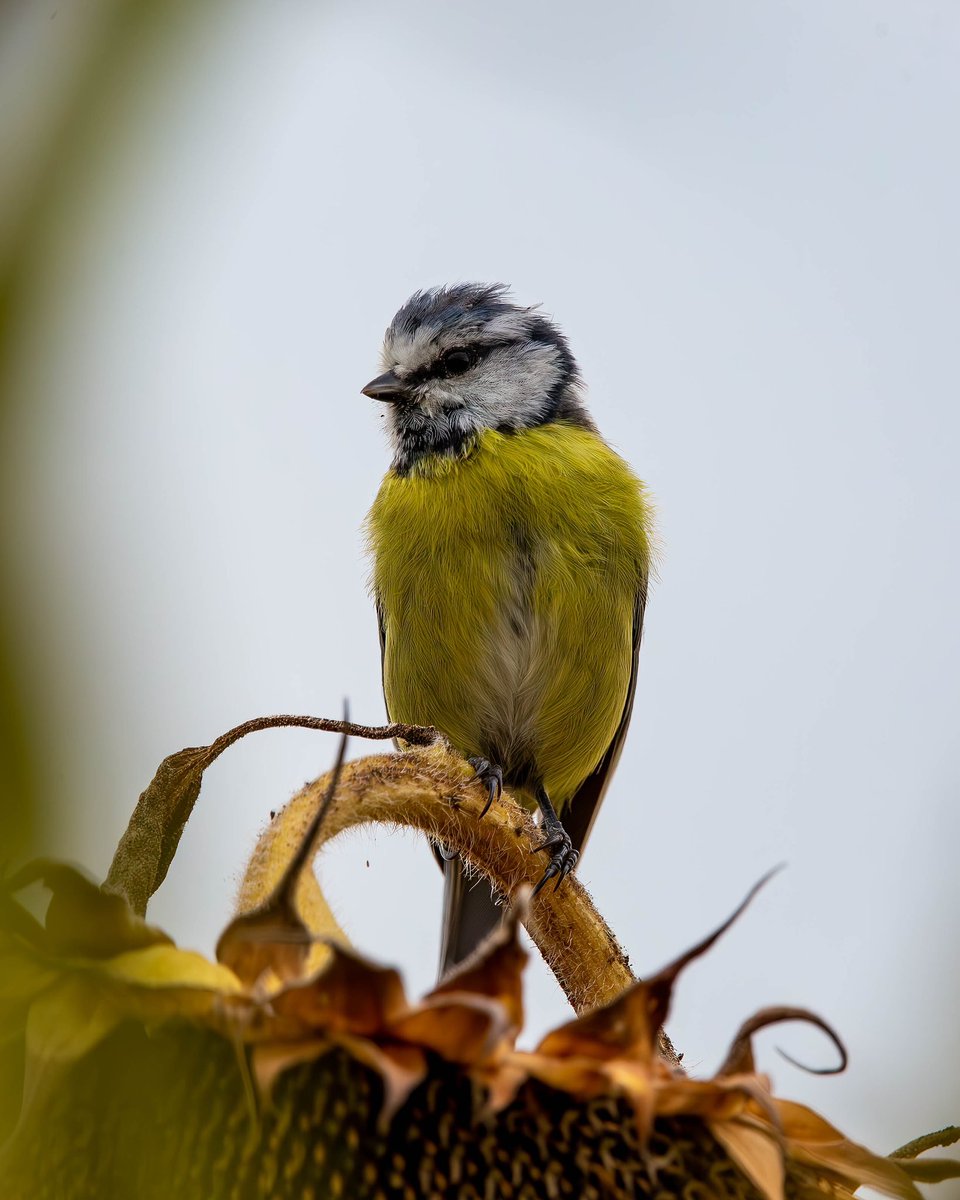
(563, 857)
(491, 775)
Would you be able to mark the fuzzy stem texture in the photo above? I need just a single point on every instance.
(433, 790)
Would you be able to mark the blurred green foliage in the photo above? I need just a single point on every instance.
(107, 40)
(93, 47)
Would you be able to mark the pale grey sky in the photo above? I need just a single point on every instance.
(745, 218)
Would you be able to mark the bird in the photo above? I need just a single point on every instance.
(511, 552)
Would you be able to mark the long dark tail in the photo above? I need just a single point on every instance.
(469, 913)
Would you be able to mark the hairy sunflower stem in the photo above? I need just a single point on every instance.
(434, 790)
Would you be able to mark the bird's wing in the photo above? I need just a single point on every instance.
(579, 815)
(382, 628)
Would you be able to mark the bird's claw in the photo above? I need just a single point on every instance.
(490, 774)
(563, 857)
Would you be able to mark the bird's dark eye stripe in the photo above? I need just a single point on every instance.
(437, 370)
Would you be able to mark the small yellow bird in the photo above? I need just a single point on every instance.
(511, 550)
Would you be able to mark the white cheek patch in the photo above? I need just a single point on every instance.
(513, 386)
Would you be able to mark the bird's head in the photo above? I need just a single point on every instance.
(458, 360)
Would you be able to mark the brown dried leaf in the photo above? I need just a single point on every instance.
(146, 849)
(579, 1076)
(462, 1028)
(501, 1084)
(718, 1100)
(757, 1154)
(630, 1024)
(476, 1011)
(496, 968)
(351, 995)
(150, 841)
(812, 1140)
(267, 947)
(625, 1027)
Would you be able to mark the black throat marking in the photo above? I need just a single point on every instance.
(454, 434)
(419, 437)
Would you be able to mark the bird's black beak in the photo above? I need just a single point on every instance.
(386, 387)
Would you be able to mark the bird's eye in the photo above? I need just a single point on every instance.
(455, 362)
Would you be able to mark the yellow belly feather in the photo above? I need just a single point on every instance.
(508, 581)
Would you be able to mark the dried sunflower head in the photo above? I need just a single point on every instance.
(134, 1068)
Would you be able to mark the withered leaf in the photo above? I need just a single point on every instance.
(812, 1140)
(149, 843)
(350, 995)
(496, 968)
(758, 1154)
(463, 1028)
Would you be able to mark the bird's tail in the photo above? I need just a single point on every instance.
(470, 913)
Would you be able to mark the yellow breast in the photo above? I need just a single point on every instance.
(508, 580)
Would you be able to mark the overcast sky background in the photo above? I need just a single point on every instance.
(745, 217)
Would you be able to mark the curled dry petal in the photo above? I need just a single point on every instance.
(350, 995)
(812, 1141)
(740, 1055)
(632, 1022)
(496, 967)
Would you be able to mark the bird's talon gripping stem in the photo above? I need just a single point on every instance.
(562, 861)
(492, 776)
(557, 843)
